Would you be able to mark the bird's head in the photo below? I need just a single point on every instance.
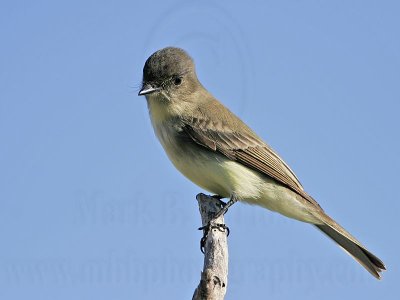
(169, 75)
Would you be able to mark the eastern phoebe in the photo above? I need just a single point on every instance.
(221, 154)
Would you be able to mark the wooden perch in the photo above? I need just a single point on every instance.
(214, 278)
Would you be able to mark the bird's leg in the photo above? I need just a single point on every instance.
(212, 224)
(218, 197)
(225, 206)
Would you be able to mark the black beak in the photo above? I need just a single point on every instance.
(147, 89)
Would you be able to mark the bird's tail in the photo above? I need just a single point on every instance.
(345, 240)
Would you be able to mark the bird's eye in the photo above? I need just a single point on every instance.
(177, 80)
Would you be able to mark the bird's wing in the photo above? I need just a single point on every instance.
(244, 147)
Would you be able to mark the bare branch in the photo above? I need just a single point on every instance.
(214, 278)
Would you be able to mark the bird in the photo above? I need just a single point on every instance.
(217, 151)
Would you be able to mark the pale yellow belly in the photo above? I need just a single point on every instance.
(218, 175)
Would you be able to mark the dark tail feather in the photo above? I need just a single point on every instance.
(369, 261)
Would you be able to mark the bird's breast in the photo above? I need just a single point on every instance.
(208, 169)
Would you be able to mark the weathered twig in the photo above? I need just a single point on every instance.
(214, 278)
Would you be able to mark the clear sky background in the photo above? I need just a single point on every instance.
(90, 206)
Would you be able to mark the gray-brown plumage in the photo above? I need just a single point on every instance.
(217, 151)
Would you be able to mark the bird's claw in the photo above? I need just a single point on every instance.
(206, 229)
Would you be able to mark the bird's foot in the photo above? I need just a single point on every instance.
(225, 206)
(213, 224)
(206, 229)
(219, 198)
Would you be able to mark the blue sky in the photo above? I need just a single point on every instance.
(90, 206)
